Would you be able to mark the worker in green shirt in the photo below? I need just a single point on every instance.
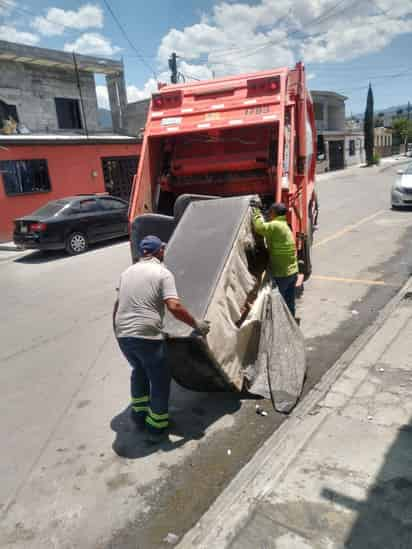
(281, 248)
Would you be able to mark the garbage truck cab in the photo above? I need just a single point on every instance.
(240, 135)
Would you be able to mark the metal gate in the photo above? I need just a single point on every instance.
(336, 155)
(118, 175)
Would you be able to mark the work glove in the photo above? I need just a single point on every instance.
(202, 327)
(255, 202)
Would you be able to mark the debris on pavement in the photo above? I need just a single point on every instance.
(260, 411)
(355, 312)
(229, 452)
(171, 538)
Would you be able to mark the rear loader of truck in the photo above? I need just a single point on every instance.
(208, 147)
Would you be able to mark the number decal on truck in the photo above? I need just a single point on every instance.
(252, 111)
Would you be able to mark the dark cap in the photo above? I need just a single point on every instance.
(150, 245)
(279, 208)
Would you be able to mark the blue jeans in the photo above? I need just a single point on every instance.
(149, 382)
(286, 285)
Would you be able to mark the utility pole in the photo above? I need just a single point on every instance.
(173, 68)
(76, 70)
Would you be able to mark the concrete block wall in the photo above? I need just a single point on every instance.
(32, 89)
(359, 156)
(116, 88)
(136, 116)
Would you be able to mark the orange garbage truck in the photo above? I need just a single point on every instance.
(224, 141)
(239, 135)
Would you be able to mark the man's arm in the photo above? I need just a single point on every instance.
(259, 224)
(181, 313)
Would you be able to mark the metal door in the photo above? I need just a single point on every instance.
(118, 175)
(336, 155)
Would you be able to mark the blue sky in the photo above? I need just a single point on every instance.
(344, 43)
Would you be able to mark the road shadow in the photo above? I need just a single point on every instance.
(48, 256)
(384, 520)
(191, 415)
(401, 209)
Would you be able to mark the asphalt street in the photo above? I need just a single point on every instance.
(73, 474)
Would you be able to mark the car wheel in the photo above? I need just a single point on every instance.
(76, 243)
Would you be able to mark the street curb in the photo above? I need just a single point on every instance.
(10, 248)
(400, 163)
(327, 176)
(284, 437)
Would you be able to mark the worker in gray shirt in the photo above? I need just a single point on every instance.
(145, 288)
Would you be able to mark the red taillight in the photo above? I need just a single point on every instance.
(274, 84)
(167, 100)
(157, 101)
(38, 227)
(263, 86)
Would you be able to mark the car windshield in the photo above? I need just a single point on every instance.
(50, 209)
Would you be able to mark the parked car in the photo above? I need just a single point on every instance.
(401, 194)
(72, 223)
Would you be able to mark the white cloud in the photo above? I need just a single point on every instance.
(136, 94)
(7, 7)
(348, 42)
(133, 93)
(102, 96)
(11, 34)
(92, 43)
(57, 20)
(236, 37)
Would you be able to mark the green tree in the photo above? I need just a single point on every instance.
(368, 127)
(402, 127)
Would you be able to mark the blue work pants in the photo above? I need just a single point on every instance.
(149, 382)
(286, 285)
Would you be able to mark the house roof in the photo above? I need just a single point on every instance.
(60, 139)
(21, 53)
(326, 93)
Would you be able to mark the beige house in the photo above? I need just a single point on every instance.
(383, 141)
(338, 146)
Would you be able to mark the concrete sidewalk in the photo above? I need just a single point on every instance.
(385, 164)
(338, 472)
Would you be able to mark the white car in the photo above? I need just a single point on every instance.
(401, 194)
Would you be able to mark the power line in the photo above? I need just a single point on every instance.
(319, 19)
(224, 51)
(191, 77)
(126, 36)
(385, 77)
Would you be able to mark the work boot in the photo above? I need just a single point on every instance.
(138, 420)
(156, 438)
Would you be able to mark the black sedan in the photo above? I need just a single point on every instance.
(72, 223)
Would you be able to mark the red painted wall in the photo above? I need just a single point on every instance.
(70, 171)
